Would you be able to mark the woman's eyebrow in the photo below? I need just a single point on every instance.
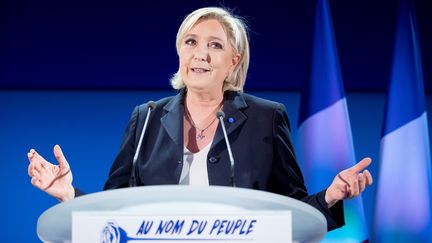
(216, 38)
(190, 35)
(208, 38)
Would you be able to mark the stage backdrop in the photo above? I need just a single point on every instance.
(131, 44)
(72, 71)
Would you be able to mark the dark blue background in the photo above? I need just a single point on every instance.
(131, 44)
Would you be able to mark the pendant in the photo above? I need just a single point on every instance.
(200, 135)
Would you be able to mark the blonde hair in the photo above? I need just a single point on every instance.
(237, 35)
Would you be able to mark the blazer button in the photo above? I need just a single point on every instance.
(213, 160)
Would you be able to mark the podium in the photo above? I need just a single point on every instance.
(308, 224)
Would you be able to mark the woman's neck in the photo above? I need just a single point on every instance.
(203, 100)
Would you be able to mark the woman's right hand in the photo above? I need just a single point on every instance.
(56, 180)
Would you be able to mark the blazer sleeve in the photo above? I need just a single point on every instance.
(287, 178)
(120, 171)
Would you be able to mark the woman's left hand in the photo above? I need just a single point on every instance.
(349, 183)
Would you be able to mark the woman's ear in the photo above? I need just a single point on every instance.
(234, 62)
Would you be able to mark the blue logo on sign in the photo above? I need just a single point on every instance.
(110, 233)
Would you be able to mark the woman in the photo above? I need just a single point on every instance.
(184, 142)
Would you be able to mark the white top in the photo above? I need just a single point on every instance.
(194, 170)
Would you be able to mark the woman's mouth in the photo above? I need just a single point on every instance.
(200, 70)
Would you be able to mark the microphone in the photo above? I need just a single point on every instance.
(221, 115)
(150, 106)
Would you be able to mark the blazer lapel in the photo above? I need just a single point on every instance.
(234, 117)
(172, 121)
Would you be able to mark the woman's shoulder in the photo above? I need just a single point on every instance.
(159, 104)
(261, 103)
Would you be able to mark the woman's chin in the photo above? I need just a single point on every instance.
(197, 85)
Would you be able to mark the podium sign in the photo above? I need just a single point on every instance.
(128, 213)
(115, 227)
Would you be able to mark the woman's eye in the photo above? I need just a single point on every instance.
(190, 42)
(216, 45)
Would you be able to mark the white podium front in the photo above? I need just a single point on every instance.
(308, 224)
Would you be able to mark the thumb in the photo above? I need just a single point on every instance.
(58, 153)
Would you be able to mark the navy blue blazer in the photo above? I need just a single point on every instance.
(259, 133)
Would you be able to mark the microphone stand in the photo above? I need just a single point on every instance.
(221, 115)
(132, 181)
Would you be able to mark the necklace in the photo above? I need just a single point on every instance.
(200, 135)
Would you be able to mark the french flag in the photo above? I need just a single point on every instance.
(324, 141)
(403, 200)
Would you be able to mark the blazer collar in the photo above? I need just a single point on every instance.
(172, 121)
(234, 103)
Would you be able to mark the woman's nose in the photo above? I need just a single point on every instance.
(202, 54)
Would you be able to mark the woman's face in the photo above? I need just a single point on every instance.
(206, 57)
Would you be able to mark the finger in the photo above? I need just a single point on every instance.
(360, 166)
(361, 182)
(34, 173)
(347, 192)
(368, 178)
(37, 165)
(36, 182)
(58, 153)
(354, 189)
(33, 181)
(30, 169)
(32, 166)
(31, 153)
(36, 160)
